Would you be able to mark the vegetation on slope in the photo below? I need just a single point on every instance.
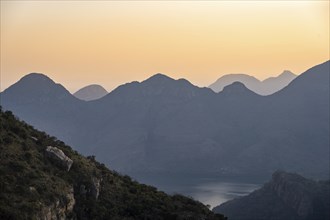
(32, 186)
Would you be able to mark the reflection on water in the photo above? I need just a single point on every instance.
(210, 191)
(215, 193)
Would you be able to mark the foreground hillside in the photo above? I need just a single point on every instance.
(286, 196)
(45, 179)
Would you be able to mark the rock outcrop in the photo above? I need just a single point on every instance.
(93, 191)
(286, 196)
(59, 157)
(60, 209)
(293, 191)
(96, 186)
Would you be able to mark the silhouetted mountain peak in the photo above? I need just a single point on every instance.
(35, 86)
(287, 73)
(161, 84)
(162, 80)
(238, 75)
(230, 78)
(265, 87)
(36, 78)
(307, 81)
(156, 86)
(158, 78)
(90, 92)
(236, 88)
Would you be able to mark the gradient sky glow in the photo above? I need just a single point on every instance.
(77, 43)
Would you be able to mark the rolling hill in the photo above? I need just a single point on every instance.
(265, 87)
(91, 92)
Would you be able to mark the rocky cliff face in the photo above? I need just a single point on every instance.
(294, 191)
(91, 191)
(286, 196)
(60, 209)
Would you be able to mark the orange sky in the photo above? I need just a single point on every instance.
(77, 43)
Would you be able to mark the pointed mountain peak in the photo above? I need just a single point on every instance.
(159, 78)
(159, 85)
(306, 82)
(37, 86)
(287, 73)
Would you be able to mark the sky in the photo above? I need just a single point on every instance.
(77, 43)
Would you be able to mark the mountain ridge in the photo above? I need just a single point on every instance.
(262, 87)
(170, 127)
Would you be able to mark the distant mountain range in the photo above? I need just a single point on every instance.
(166, 125)
(265, 87)
(91, 92)
(286, 196)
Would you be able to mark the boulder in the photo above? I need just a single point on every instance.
(34, 138)
(59, 157)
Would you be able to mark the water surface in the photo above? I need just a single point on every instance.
(215, 193)
(210, 191)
